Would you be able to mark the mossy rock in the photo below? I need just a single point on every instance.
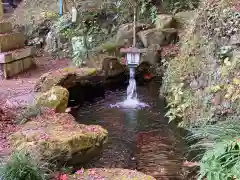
(125, 32)
(56, 98)
(113, 174)
(57, 137)
(66, 77)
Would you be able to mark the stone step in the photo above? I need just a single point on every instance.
(5, 27)
(15, 67)
(17, 54)
(11, 41)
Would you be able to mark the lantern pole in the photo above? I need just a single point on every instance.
(134, 24)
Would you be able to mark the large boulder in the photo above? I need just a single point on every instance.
(125, 32)
(56, 97)
(158, 36)
(66, 77)
(113, 174)
(165, 21)
(57, 137)
(109, 65)
(152, 36)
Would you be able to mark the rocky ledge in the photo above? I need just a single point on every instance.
(58, 137)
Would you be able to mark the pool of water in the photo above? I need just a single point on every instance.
(139, 138)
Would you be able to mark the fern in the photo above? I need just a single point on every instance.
(221, 159)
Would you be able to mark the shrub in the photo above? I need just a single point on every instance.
(22, 167)
(221, 159)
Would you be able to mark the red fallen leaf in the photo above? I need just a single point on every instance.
(63, 177)
(147, 76)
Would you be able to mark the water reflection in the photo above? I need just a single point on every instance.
(139, 138)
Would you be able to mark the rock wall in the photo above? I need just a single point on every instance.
(203, 82)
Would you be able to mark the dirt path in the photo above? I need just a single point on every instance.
(19, 90)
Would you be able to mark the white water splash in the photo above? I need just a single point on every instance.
(131, 101)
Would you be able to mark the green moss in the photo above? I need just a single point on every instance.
(57, 136)
(56, 98)
(109, 47)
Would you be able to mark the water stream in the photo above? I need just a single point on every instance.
(132, 88)
(132, 101)
(139, 134)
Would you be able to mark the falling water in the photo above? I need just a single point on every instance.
(131, 101)
(131, 89)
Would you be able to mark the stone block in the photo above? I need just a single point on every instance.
(5, 27)
(23, 53)
(12, 68)
(17, 54)
(27, 63)
(11, 41)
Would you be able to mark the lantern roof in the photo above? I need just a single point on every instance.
(133, 50)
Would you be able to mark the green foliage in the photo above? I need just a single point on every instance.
(177, 6)
(80, 51)
(22, 167)
(178, 103)
(224, 52)
(96, 26)
(221, 159)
